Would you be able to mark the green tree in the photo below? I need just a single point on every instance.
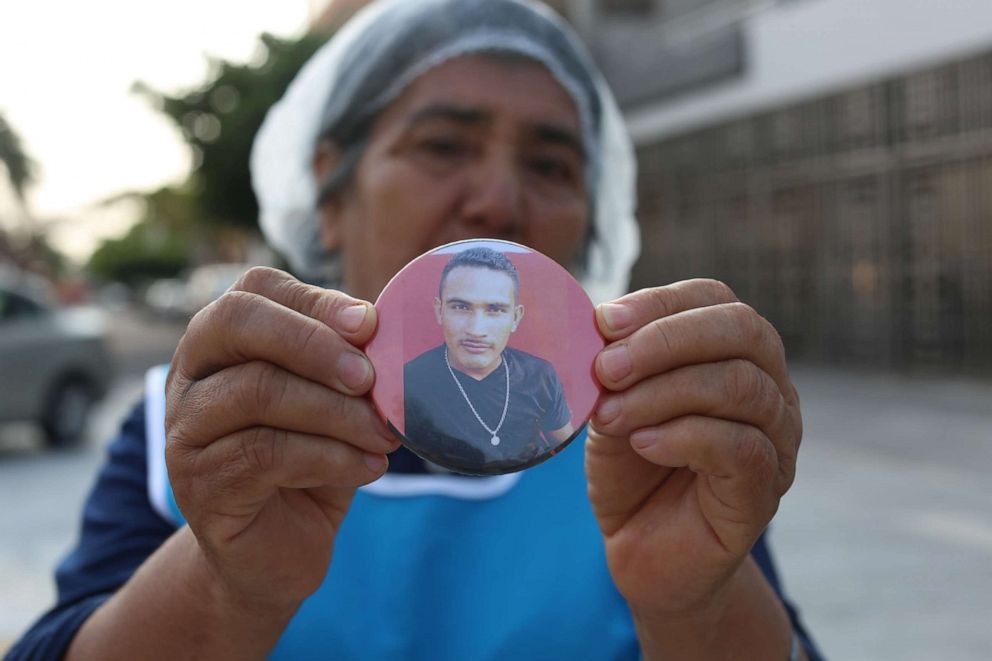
(219, 119)
(20, 167)
(26, 246)
(141, 255)
(155, 247)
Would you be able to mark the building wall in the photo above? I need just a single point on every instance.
(809, 153)
(652, 50)
(858, 221)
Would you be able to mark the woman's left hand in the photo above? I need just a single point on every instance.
(692, 445)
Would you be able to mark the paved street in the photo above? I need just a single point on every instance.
(885, 541)
(41, 492)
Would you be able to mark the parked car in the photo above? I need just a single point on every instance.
(54, 365)
(181, 298)
(167, 298)
(207, 283)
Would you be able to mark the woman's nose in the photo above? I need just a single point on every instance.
(494, 201)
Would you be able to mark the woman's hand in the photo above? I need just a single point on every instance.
(691, 447)
(269, 435)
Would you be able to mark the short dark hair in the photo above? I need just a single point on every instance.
(485, 258)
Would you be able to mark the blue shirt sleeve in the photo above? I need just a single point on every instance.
(762, 555)
(119, 531)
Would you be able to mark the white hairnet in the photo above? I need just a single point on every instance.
(374, 57)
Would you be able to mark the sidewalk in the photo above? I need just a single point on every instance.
(885, 540)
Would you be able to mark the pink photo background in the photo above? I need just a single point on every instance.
(558, 326)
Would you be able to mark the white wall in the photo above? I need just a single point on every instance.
(814, 46)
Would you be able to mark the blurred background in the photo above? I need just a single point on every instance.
(830, 159)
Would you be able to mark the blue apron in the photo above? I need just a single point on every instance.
(440, 567)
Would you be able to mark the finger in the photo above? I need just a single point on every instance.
(738, 453)
(718, 448)
(241, 470)
(620, 481)
(352, 318)
(700, 335)
(734, 390)
(260, 394)
(736, 460)
(240, 327)
(618, 319)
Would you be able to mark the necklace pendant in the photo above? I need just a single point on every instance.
(495, 440)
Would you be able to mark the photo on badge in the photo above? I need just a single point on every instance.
(484, 357)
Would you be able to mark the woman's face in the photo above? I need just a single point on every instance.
(476, 147)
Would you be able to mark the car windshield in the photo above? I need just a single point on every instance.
(15, 306)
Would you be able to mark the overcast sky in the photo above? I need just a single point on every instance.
(66, 69)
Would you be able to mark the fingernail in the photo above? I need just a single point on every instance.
(389, 438)
(390, 442)
(354, 370)
(376, 462)
(385, 444)
(642, 439)
(350, 318)
(609, 410)
(616, 316)
(615, 362)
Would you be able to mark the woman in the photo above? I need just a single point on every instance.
(418, 124)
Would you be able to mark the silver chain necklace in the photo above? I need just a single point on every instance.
(506, 402)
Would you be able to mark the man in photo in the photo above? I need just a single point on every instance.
(474, 401)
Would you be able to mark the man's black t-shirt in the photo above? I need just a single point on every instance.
(440, 426)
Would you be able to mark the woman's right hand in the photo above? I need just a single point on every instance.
(269, 434)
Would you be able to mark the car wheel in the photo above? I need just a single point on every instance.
(65, 417)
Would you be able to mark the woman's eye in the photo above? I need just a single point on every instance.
(443, 147)
(555, 169)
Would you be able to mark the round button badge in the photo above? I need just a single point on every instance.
(484, 357)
